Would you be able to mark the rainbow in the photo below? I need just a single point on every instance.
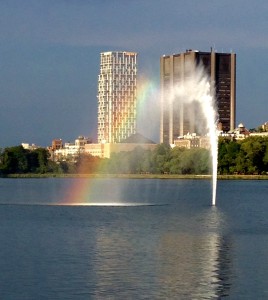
(147, 92)
(87, 191)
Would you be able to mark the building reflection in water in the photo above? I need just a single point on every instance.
(195, 266)
(198, 264)
(166, 264)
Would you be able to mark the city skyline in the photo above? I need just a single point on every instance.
(49, 57)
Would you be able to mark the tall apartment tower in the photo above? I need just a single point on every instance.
(117, 96)
(221, 68)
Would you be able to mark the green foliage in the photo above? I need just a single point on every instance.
(227, 153)
(86, 164)
(19, 160)
(253, 149)
(14, 160)
(162, 160)
(130, 162)
(248, 156)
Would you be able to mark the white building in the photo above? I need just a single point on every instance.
(117, 96)
(104, 150)
(191, 141)
(27, 146)
(265, 127)
(71, 150)
(239, 133)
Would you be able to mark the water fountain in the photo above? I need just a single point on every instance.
(197, 90)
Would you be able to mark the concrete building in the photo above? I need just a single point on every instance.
(259, 134)
(69, 150)
(104, 150)
(264, 126)
(240, 132)
(175, 117)
(191, 141)
(56, 144)
(117, 96)
(28, 146)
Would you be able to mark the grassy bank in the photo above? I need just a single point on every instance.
(138, 176)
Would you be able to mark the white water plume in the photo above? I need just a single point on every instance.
(197, 93)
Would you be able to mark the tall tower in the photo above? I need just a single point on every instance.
(117, 96)
(221, 68)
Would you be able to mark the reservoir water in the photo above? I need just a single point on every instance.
(133, 239)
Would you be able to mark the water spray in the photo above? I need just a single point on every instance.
(197, 89)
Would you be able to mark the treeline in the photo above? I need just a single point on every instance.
(248, 156)
(17, 160)
(162, 160)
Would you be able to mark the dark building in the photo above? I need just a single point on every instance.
(176, 118)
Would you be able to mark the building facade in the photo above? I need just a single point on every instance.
(177, 119)
(105, 150)
(56, 144)
(69, 150)
(117, 96)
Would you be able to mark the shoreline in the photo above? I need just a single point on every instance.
(138, 176)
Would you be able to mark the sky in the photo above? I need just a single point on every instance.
(50, 56)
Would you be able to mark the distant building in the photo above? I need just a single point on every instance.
(262, 134)
(191, 141)
(178, 120)
(29, 146)
(68, 151)
(56, 144)
(240, 132)
(104, 150)
(96, 150)
(264, 126)
(81, 141)
(117, 96)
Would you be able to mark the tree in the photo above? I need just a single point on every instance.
(227, 153)
(19, 160)
(14, 160)
(42, 156)
(175, 160)
(195, 161)
(161, 157)
(254, 150)
(87, 164)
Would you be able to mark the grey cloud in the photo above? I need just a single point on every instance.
(139, 24)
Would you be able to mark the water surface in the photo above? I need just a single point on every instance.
(164, 240)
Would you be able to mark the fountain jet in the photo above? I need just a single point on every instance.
(196, 91)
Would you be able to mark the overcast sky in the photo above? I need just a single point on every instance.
(50, 54)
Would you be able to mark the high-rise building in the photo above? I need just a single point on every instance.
(177, 120)
(117, 96)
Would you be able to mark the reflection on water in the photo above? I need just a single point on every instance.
(196, 267)
(141, 249)
(225, 274)
(190, 265)
(170, 265)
